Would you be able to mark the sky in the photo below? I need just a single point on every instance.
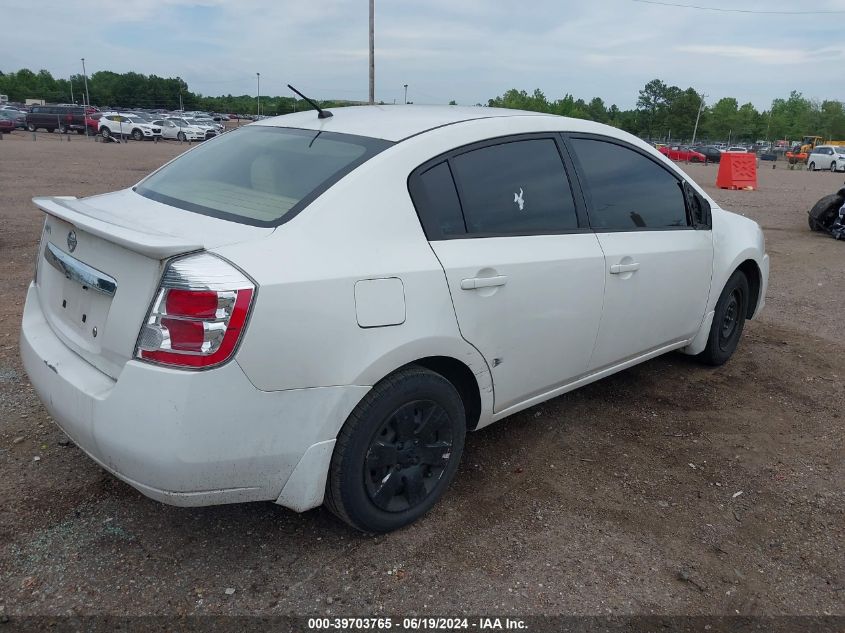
(466, 50)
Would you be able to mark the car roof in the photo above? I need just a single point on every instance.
(389, 122)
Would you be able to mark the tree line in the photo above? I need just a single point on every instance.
(668, 112)
(662, 111)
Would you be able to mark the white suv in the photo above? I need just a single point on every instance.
(830, 157)
(317, 310)
(116, 124)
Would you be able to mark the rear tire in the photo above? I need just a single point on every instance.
(31, 127)
(728, 321)
(397, 452)
(105, 132)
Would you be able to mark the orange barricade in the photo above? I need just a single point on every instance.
(737, 171)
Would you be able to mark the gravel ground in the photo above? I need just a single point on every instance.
(670, 488)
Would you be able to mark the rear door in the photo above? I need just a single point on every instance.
(658, 265)
(525, 273)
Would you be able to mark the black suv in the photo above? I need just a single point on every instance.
(56, 117)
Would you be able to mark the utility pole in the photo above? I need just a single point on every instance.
(406, 94)
(372, 53)
(697, 116)
(70, 81)
(85, 77)
(258, 95)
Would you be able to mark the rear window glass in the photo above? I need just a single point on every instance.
(259, 175)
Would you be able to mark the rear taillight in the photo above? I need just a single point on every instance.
(198, 315)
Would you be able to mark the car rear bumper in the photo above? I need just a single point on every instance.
(185, 437)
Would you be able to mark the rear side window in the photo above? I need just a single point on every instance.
(515, 188)
(259, 175)
(628, 190)
(435, 192)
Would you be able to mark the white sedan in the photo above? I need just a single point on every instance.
(317, 310)
(179, 130)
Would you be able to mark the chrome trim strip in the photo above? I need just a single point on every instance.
(79, 271)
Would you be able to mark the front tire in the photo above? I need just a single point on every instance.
(181, 137)
(31, 127)
(138, 135)
(728, 321)
(833, 166)
(397, 452)
(812, 166)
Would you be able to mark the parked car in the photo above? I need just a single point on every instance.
(737, 150)
(63, 118)
(8, 122)
(830, 157)
(711, 154)
(116, 124)
(210, 123)
(682, 152)
(18, 116)
(313, 310)
(179, 130)
(209, 130)
(92, 121)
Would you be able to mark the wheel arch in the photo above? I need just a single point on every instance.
(752, 273)
(464, 381)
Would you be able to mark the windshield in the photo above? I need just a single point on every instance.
(840, 149)
(259, 175)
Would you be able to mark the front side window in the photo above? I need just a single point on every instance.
(628, 190)
(515, 188)
(259, 175)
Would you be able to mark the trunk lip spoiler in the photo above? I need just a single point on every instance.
(85, 217)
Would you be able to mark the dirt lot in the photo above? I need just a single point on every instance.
(670, 488)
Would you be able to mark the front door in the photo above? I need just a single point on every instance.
(658, 266)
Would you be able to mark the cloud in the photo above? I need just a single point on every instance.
(468, 50)
(776, 56)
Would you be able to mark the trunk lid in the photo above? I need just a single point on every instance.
(101, 261)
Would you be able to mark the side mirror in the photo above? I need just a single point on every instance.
(699, 208)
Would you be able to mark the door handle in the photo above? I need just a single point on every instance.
(617, 269)
(483, 282)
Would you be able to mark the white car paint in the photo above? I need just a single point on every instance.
(347, 292)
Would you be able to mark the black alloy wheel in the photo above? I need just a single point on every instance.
(728, 321)
(408, 456)
(397, 451)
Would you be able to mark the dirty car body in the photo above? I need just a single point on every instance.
(311, 310)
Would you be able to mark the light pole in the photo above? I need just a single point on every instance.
(258, 94)
(372, 53)
(700, 108)
(85, 78)
(406, 94)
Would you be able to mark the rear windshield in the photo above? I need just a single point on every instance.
(258, 175)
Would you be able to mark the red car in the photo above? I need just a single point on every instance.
(682, 152)
(7, 122)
